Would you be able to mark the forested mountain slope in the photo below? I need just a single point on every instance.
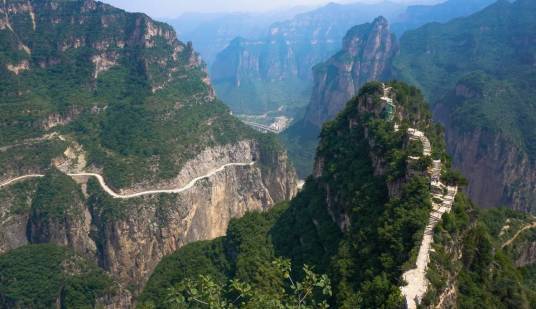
(360, 219)
(479, 75)
(113, 144)
(57, 277)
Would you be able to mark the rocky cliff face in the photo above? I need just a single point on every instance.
(366, 55)
(128, 238)
(499, 172)
(116, 34)
(482, 94)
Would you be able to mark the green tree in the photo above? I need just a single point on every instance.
(204, 292)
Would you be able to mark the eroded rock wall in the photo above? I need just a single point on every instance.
(130, 237)
(499, 173)
(366, 55)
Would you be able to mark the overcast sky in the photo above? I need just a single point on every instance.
(174, 8)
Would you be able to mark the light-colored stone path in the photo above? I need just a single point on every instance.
(387, 99)
(417, 135)
(8, 182)
(417, 283)
(108, 190)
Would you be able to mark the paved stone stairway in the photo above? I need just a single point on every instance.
(442, 200)
(416, 135)
(417, 284)
(387, 99)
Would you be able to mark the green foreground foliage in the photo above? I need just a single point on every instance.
(205, 292)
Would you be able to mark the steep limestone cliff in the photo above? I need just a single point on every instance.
(128, 238)
(499, 173)
(366, 55)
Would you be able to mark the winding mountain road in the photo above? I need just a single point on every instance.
(8, 182)
(526, 227)
(115, 195)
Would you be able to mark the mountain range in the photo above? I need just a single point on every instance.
(418, 15)
(125, 181)
(260, 75)
(210, 33)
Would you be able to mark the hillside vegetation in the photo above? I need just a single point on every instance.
(121, 85)
(350, 224)
(488, 59)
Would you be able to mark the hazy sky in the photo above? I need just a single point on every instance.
(173, 8)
